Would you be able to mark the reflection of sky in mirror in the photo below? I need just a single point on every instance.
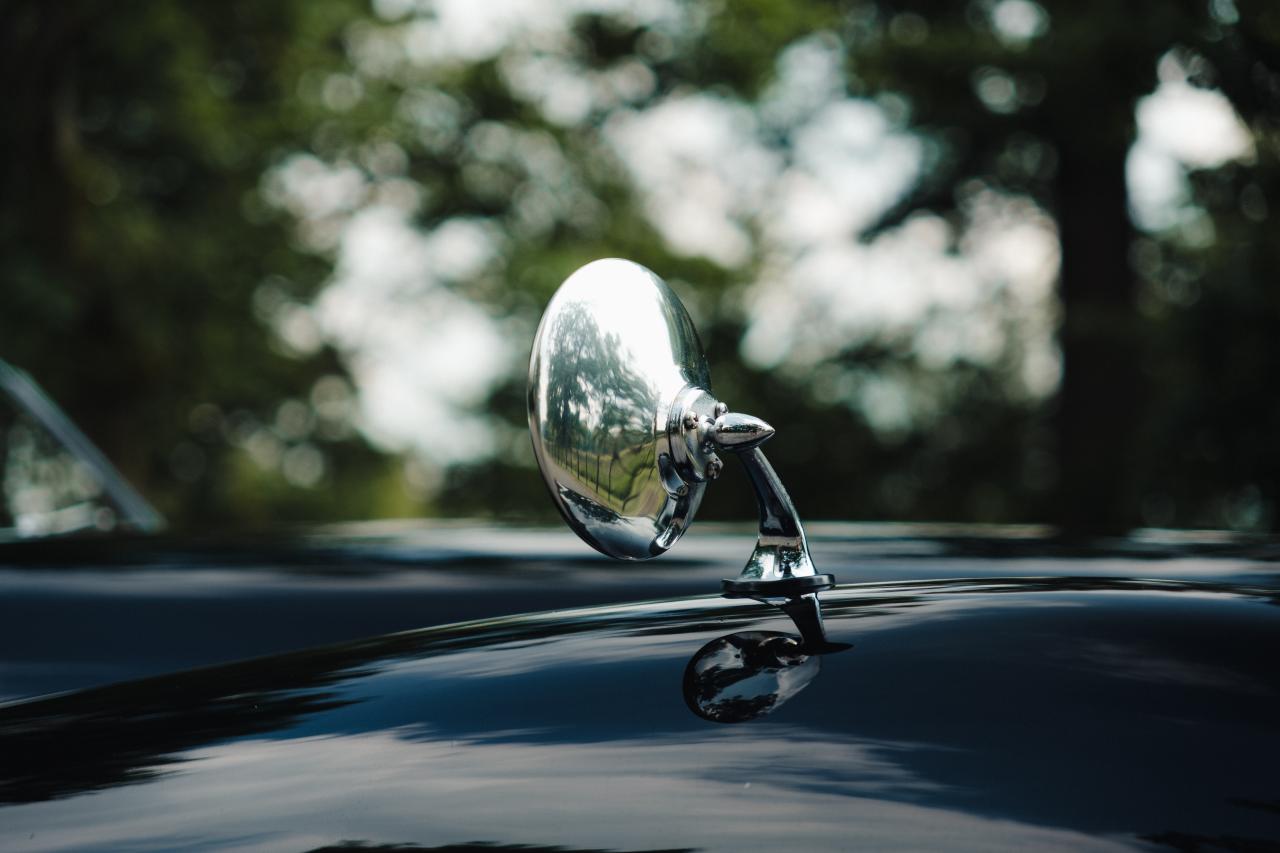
(715, 182)
(640, 328)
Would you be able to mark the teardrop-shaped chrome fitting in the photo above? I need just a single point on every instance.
(626, 430)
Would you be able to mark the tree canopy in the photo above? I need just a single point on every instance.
(283, 261)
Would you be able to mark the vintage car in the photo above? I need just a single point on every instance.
(961, 688)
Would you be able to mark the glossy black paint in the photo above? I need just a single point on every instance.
(1080, 713)
(92, 611)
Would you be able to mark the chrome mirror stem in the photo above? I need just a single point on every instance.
(780, 565)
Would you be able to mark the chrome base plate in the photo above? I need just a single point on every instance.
(777, 588)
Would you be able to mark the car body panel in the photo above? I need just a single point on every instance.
(1073, 713)
(89, 611)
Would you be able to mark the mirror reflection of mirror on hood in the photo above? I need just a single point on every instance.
(739, 677)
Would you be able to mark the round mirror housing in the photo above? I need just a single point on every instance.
(627, 432)
(616, 363)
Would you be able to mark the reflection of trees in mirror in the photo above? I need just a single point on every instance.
(588, 508)
(601, 412)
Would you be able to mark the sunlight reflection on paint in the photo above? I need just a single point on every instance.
(678, 790)
(570, 729)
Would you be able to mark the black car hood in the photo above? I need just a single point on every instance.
(1081, 713)
(78, 613)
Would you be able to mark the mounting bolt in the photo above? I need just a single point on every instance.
(722, 409)
(714, 467)
(690, 419)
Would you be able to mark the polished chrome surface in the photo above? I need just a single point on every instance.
(780, 565)
(613, 352)
(626, 429)
(806, 615)
(687, 441)
(738, 432)
(743, 676)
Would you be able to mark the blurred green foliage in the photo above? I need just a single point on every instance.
(145, 265)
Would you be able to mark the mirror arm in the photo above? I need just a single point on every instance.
(780, 566)
(778, 518)
(780, 570)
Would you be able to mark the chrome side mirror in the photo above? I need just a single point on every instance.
(627, 432)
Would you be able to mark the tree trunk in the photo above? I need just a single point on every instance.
(1099, 400)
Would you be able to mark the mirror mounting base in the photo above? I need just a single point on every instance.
(776, 588)
(780, 570)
